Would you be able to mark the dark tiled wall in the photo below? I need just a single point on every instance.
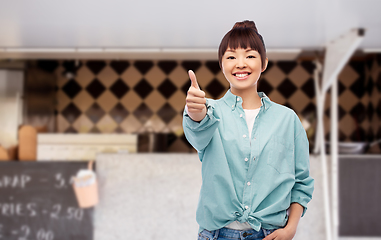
(146, 96)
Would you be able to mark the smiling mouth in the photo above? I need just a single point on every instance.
(241, 75)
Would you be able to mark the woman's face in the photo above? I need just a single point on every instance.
(242, 68)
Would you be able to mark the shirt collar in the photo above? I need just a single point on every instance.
(232, 100)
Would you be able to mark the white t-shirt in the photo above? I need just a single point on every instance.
(250, 115)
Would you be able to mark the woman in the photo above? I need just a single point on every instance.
(254, 152)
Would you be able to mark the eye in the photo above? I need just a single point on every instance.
(230, 57)
(251, 56)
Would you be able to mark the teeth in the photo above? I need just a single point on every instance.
(241, 75)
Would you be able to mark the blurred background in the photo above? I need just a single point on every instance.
(107, 80)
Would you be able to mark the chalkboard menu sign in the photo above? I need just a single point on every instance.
(37, 202)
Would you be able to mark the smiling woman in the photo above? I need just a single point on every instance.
(254, 152)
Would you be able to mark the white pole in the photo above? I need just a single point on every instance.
(334, 160)
(320, 145)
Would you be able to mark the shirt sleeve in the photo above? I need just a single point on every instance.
(304, 184)
(200, 133)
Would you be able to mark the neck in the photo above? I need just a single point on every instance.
(250, 98)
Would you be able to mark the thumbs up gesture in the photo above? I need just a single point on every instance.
(195, 101)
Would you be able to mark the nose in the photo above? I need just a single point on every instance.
(241, 63)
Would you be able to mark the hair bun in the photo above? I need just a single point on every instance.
(245, 24)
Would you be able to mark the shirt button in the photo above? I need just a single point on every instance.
(246, 159)
(246, 207)
(248, 183)
(238, 99)
(244, 136)
(232, 106)
(240, 115)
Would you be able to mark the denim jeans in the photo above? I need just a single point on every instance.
(231, 234)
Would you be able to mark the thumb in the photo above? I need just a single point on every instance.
(193, 79)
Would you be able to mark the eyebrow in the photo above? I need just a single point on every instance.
(233, 50)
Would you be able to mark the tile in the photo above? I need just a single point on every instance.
(175, 125)
(204, 76)
(71, 67)
(286, 66)
(143, 88)
(71, 88)
(275, 76)
(179, 146)
(299, 76)
(286, 88)
(347, 100)
(84, 76)
(71, 113)
(95, 113)
(166, 113)
(298, 101)
(155, 101)
(119, 66)
(167, 88)
(154, 124)
(143, 113)
(143, 66)
(309, 88)
(83, 100)
(119, 113)
(177, 101)
(130, 124)
(131, 101)
(107, 101)
(191, 65)
(264, 86)
(370, 86)
(95, 66)
(62, 100)
(62, 123)
(95, 88)
(309, 109)
(155, 76)
(221, 78)
(83, 124)
(167, 66)
(70, 130)
(47, 65)
(131, 76)
(275, 96)
(215, 89)
(106, 124)
(186, 87)
(213, 66)
(119, 88)
(107, 76)
(119, 130)
(358, 135)
(348, 76)
(95, 130)
(178, 76)
(358, 113)
(309, 66)
(61, 79)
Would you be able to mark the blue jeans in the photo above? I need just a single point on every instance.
(231, 234)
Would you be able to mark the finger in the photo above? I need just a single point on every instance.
(196, 92)
(195, 105)
(193, 79)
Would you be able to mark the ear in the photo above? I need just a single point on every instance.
(265, 66)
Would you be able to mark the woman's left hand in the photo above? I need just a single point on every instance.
(281, 234)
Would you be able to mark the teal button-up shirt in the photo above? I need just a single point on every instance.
(249, 180)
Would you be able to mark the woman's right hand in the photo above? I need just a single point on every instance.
(195, 101)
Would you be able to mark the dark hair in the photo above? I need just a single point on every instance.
(243, 35)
